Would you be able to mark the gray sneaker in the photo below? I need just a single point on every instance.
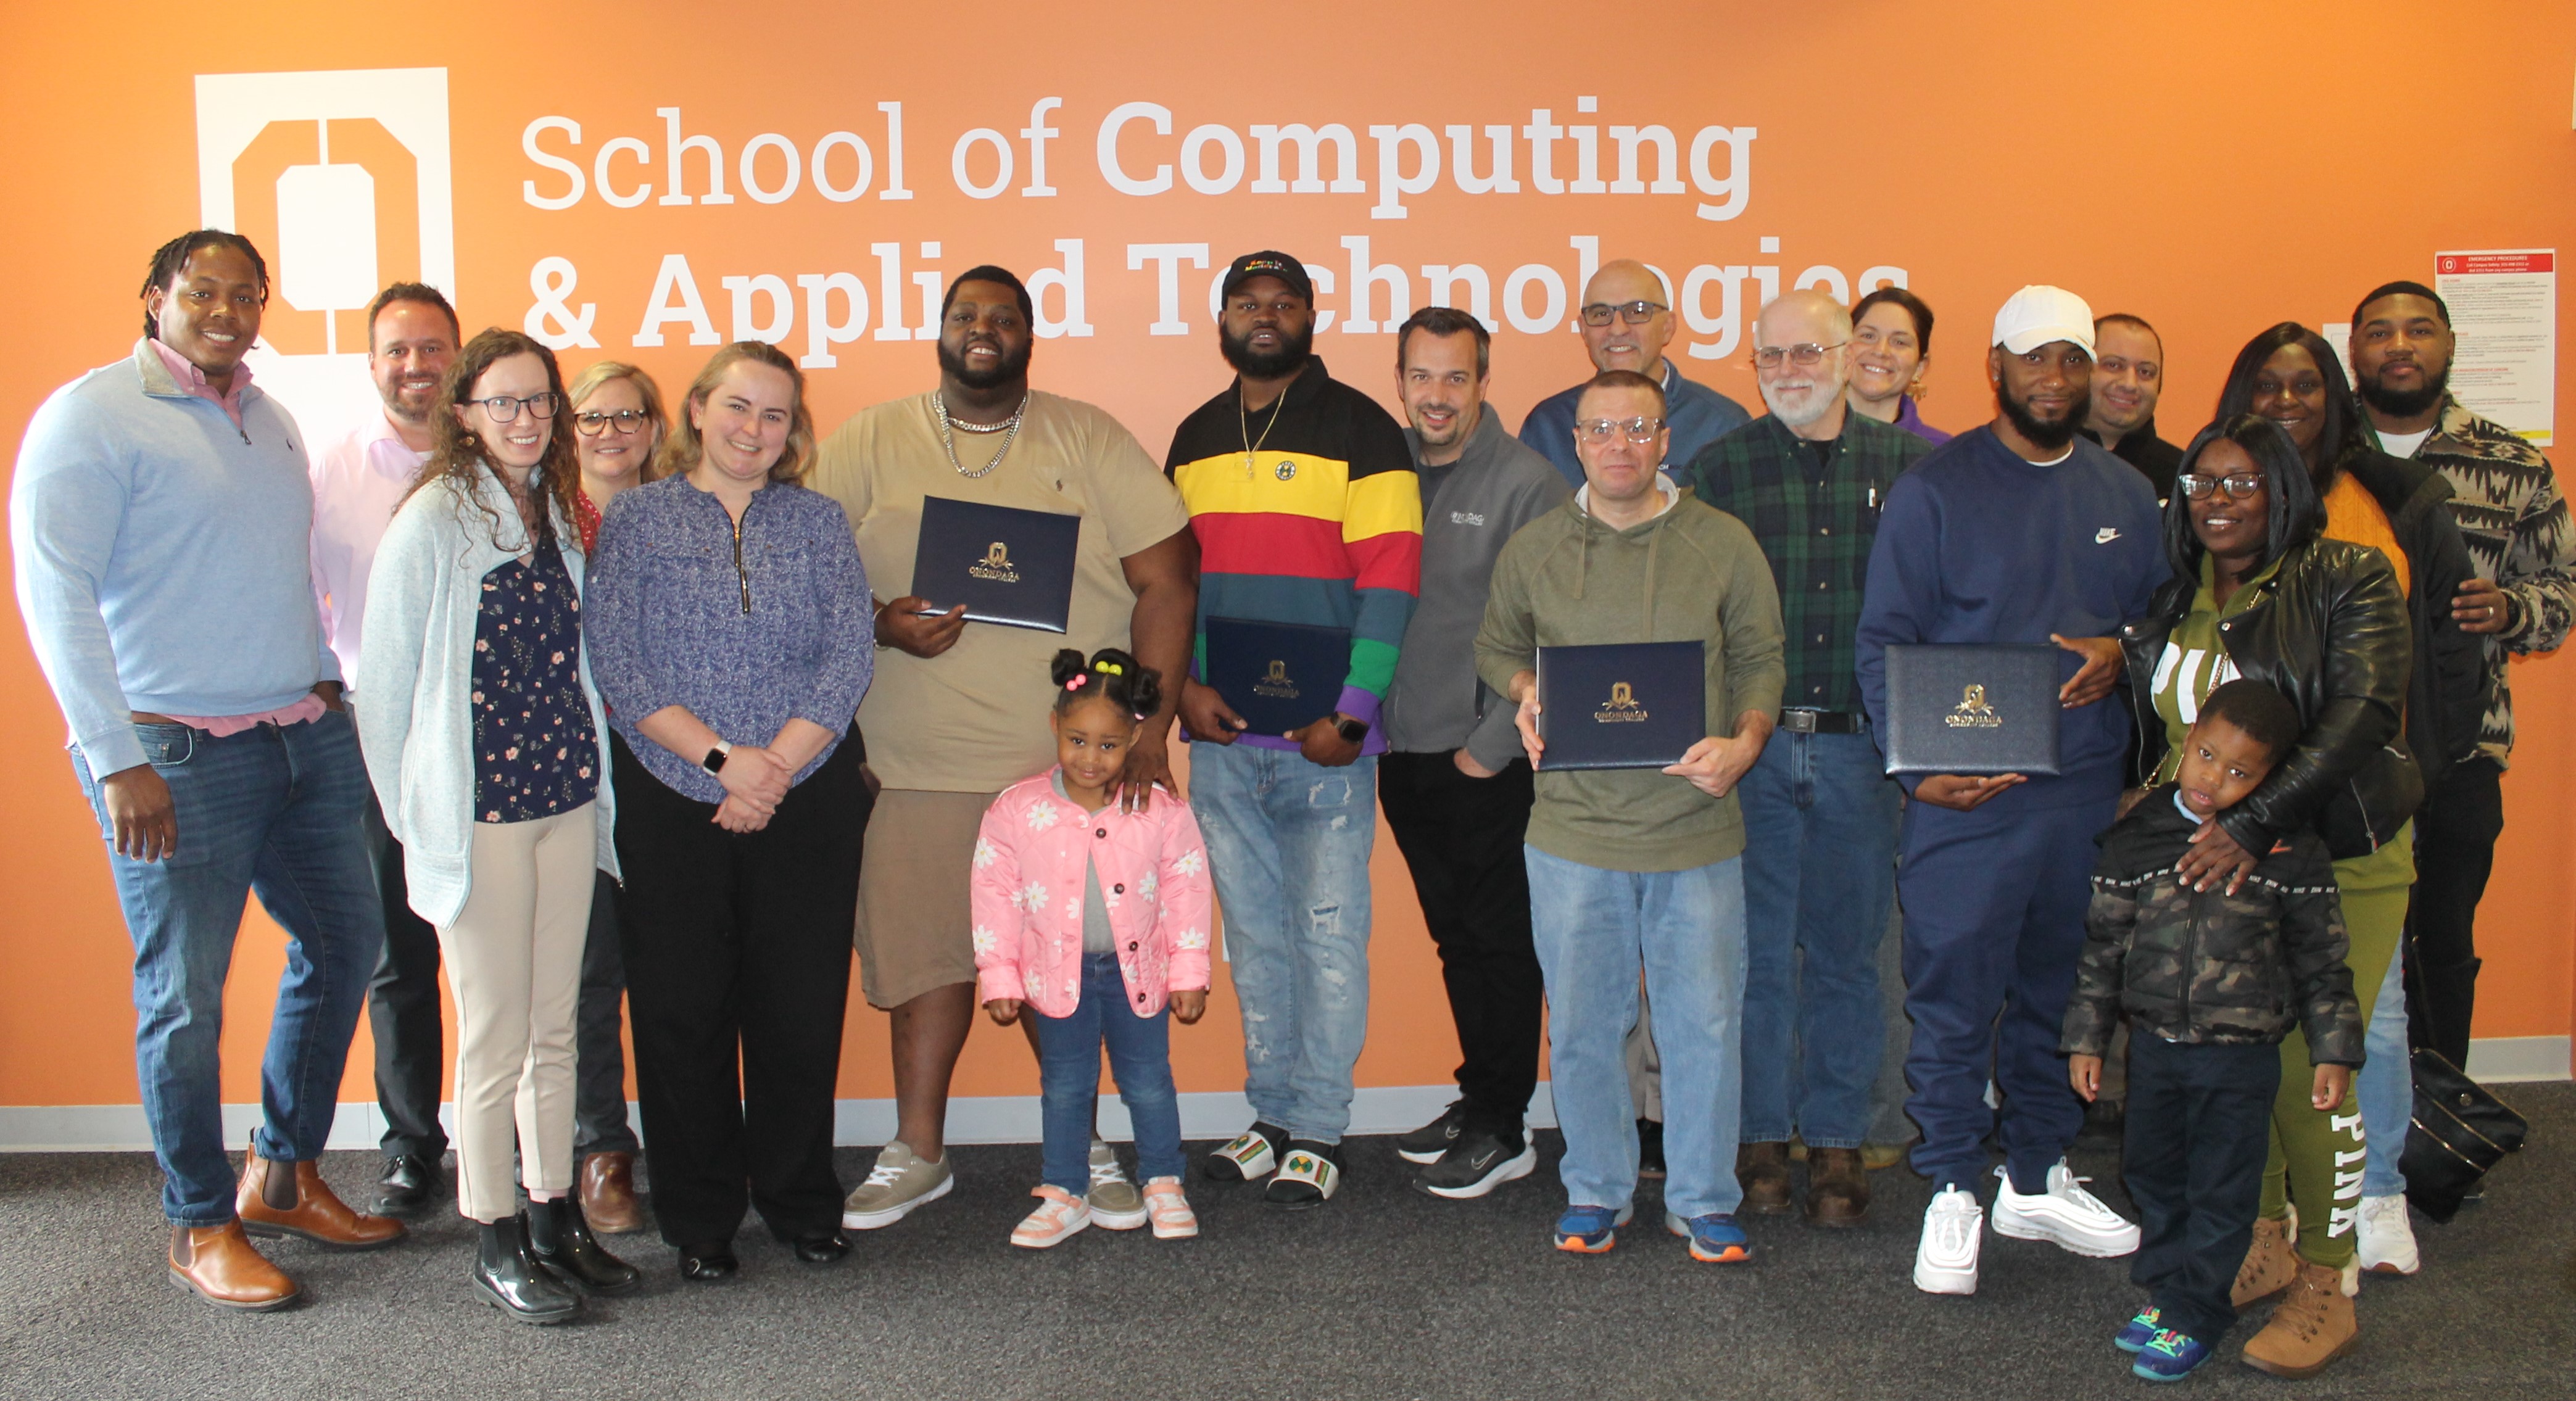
(1115, 1203)
(900, 1181)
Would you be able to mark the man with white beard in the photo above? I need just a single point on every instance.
(1808, 479)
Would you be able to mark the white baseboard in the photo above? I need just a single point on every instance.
(93, 1128)
(2507, 1058)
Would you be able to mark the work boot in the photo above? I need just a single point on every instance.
(2270, 1263)
(282, 1199)
(2313, 1325)
(1763, 1171)
(224, 1268)
(1837, 1187)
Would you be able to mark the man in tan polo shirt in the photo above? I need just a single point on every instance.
(955, 713)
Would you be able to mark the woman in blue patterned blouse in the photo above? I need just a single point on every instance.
(730, 626)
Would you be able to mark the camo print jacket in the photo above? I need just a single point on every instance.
(2206, 966)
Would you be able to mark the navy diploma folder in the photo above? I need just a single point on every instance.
(1621, 705)
(1279, 677)
(1967, 709)
(1007, 565)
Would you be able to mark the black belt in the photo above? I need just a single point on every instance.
(1805, 720)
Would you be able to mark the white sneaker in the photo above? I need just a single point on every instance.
(2066, 1215)
(1953, 1228)
(2388, 1237)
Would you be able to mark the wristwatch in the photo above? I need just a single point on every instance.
(1352, 730)
(715, 760)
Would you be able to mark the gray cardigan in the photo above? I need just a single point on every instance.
(416, 677)
(1469, 509)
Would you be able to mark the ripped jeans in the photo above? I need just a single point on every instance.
(1288, 843)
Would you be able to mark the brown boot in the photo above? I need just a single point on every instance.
(1837, 1187)
(225, 1269)
(274, 1202)
(1763, 1169)
(608, 1193)
(2312, 1327)
(2270, 1263)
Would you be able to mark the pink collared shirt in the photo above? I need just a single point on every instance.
(358, 482)
(194, 381)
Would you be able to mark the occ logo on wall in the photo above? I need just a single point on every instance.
(342, 180)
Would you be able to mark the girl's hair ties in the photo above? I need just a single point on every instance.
(1109, 668)
(1076, 683)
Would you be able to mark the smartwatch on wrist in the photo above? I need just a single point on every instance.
(1352, 730)
(715, 760)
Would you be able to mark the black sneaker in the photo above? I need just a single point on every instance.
(1309, 1173)
(1477, 1163)
(1427, 1143)
(1650, 1148)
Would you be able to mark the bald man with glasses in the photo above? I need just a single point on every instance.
(1627, 321)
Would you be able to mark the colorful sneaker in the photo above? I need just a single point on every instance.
(1945, 1262)
(900, 1181)
(1427, 1143)
(1714, 1238)
(1308, 1176)
(1114, 1201)
(2170, 1356)
(2388, 1237)
(1590, 1230)
(2141, 1331)
(1249, 1157)
(1170, 1210)
(1059, 1215)
(2065, 1215)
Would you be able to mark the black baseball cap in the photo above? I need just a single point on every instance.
(1270, 263)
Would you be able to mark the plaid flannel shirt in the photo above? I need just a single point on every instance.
(1816, 527)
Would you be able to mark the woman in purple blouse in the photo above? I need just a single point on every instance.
(730, 633)
(1891, 346)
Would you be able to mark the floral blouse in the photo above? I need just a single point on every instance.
(535, 754)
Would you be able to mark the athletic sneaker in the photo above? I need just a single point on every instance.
(2141, 1331)
(2388, 1237)
(1248, 1156)
(2170, 1356)
(900, 1181)
(2066, 1215)
(1427, 1143)
(1060, 1214)
(1478, 1162)
(1590, 1230)
(1115, 1203)
(1173, 1219)
(1953, 1229)
(1308, 1175)
(1714, 1238)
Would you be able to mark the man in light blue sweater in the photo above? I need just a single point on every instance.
(159, 519)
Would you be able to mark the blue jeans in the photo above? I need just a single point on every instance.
(1819, 876)
(1596, 930)
(1140, 1056)
(2385, 1087)
(1288, 843)
(280, 810)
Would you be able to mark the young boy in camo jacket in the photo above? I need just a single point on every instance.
(2210, 980)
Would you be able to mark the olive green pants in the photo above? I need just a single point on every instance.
(2317, 1155)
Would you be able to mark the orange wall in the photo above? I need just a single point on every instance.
(2212, 171)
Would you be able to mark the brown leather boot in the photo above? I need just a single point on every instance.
(2270, 1263)
(1837, 1187)
(1763, 1169)
(2311, 1328)
(274, 1202)
(608, 1193)
(225, 1269)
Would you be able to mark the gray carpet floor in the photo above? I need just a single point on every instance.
(1384, 1293)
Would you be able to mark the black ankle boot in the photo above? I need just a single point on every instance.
(560, 1240)
(507, 1276)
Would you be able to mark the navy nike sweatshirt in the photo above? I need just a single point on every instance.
(1976, 545)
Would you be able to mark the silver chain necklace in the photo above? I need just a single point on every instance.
(948, 444)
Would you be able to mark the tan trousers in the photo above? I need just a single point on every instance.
(514, 962)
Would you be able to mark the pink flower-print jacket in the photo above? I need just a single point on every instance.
(1027, 887)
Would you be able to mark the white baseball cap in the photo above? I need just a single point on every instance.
(2036, 315)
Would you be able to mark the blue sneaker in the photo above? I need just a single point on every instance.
(2141, 1331)
(1590, 1230)
(1714, 1238)
(2170, 1356)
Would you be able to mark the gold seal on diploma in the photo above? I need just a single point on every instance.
(996, 565)
(1623, 706)
(1276, 683)
(1972, 712)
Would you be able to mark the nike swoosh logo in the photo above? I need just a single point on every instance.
(2105, 535)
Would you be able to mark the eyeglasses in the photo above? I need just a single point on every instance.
(503, 408)
(1597, 431)
(1636, 313)
(594, 423)
(1805, 354)
(2241, 486)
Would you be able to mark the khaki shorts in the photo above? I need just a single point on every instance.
(916, 928)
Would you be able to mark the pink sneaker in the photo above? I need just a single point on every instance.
(1061, 1215)
(1169, 1210)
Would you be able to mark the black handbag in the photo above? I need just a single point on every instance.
(2459, 1131)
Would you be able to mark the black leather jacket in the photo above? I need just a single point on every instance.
(2329, 631)
(2446, 697)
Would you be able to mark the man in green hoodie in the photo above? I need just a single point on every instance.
(1634, 869)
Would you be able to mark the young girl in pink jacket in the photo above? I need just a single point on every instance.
(1094, 920)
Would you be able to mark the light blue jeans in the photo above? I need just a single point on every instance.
(1595, 930)
(1288, 844)
(2385, 1087)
